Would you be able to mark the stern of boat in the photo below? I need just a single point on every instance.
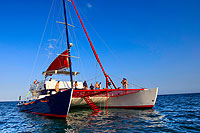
(143, 99)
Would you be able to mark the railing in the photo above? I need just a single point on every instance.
(104, 92)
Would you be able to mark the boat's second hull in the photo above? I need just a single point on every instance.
(56, 105)
(142, 99)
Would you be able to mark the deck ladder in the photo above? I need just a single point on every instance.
(94, 107)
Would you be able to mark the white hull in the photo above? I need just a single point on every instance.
(142, 99)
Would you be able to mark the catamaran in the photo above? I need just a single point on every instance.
(47, 101)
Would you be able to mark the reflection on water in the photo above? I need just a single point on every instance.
(116, 120)
(172, 113)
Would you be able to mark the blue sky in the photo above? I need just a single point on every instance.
(153, 43)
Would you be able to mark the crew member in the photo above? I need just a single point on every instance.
(35, 81)
(109, 85)
(91, 87)
(85, 85)
(75, 85)
(57, 87)
(97, 86)
(124, 83)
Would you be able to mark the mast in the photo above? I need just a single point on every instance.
(68, 46)
(94, 51)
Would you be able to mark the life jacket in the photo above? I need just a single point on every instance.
(57, 85)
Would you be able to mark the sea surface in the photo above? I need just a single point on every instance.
(172, 113)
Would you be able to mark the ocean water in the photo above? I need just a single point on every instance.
(172, 113)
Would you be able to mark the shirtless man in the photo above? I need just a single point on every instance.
(97, 86)
(124, 83)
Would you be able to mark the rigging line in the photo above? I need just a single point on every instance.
(86, 52)
(76, 44)
(46, 62)
(71, 34)
(76, 2)
(83, 47)
(107, 77)
(90, 42)
(137, 85)
(50, 41)
(60, 15)
(90, 57)
(41, 42)
(128, 83)
(60, 38)
(73, 31)
(52, 21)
(94, 77)
(96, 71)
(60, 49)
(114, 55)
(98, 35)
(72, 40)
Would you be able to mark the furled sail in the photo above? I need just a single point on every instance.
(60, 62)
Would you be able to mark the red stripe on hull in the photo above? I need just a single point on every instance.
(52, 115)
(132, 107)
(125, 107)
(107, 90)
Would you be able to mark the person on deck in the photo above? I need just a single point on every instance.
(85, 85)
(57, 87)
(97, 86)
(91, 87)
(100, 85)
(75, 85)
(35, 81)
(109, 85)
(124, 83)
(50, 79)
